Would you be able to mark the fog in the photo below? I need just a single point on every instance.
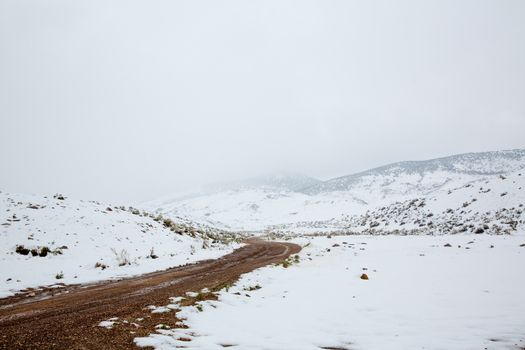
(126, 101)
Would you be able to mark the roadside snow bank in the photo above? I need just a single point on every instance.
(431, 292)
(58, 240)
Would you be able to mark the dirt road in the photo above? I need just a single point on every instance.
(68, 318)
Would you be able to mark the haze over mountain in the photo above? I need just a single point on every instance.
(293, 202)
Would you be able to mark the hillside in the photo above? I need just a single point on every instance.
(425, 176)
(56, 240)
(489, 181)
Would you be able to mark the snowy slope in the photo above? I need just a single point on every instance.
(491, 204)
(88, 241)
(341, 203)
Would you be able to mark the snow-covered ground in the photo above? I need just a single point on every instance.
(87, 241)
(423, 292)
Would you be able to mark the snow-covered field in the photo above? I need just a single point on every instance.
(87, 241)
(423, 292)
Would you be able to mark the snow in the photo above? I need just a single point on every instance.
(81, 234)
(109, 323)
(420, 294)
(161, 309)
(442, 183)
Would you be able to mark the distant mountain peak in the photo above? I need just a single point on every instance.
(482, 163)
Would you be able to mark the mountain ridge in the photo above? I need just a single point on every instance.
(441, 163)
(447, 181)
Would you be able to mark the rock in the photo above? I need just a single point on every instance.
(448, 245)
(364, 276)
(479, 230)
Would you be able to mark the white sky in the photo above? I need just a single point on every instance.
(130, 100)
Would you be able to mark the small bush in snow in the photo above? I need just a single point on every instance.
(167, 222)
(252, 288)
(59, 275)
(152, 254)
(20, 249)
(101, 265)
(122, 257)
(44, 251)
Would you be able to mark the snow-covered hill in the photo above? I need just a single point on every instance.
(464, 187)
(47, 240)
(425, 176)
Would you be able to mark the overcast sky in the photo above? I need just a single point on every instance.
(126, 101)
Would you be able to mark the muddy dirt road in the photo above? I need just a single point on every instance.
(68, 318)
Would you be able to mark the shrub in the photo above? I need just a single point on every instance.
(252, 288)
(43, 251)
(101, 265)
(167, 222)
(152, 254)
(20, 249)
(122, 257)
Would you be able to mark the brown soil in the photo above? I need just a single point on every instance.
(68, 318)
